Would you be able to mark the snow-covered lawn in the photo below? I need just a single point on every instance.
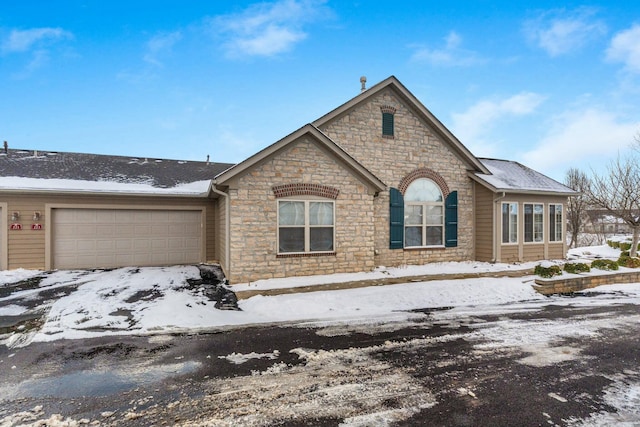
(152, 300)
(160, 300)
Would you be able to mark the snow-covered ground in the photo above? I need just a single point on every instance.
(159, 300)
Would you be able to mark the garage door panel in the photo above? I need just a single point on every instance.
(105, 229)
(142, 217)
(191, 230)
(99, 238)
(86, 245)
(159, 244)
(88, 216)
(105, 216)
(142, 230)
(123, 244)
(85, 230)
(105, 245)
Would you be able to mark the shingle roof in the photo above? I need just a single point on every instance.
(157, 173)
(512, 176)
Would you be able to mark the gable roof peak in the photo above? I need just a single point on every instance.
(409, 99)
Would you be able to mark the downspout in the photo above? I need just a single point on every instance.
(496, 224)
(227, 219)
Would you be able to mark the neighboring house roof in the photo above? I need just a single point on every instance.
(28, 170)
(513, 177)
(307, 130)
(414, 103)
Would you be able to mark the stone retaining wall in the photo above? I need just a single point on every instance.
(565, 285)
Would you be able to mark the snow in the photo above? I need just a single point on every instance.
(468, 267)
(20, 183)
(158, 300)
(155, 300)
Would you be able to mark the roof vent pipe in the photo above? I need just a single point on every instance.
(6, 147)
(363, 83)
(207, 159)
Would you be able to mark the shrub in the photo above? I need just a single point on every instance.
(604, 264)
(624, 253)
(625, 246)
(629, 262)
(613, 243)
(576, 267)
(547, 271)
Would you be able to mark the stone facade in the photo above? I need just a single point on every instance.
(414, 146)
(358, 155)
(254, 221)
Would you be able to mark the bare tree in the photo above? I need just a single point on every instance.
(577, 207)
(618, 192)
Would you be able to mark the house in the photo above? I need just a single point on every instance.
(601, 221)
(377, 181)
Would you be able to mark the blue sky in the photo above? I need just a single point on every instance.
(553, 85)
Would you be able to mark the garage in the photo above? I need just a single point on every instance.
(103, 238)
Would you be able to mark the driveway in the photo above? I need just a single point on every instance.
(560, 362)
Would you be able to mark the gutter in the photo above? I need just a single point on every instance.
(49, 191)
(227, 227)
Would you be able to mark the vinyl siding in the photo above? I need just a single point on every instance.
(484, 224)
(27, 248)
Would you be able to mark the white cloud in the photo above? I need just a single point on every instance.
(625, 47)
(561, 32)
(25, 40)
(585, 139)
(267, 29)
(160, 44)
(448, 56)
(474, 125)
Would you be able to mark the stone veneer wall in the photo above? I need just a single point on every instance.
(254, 246)
(413, 146)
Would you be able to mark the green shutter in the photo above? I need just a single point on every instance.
(387, 124)
(451, 220)
(396, 217)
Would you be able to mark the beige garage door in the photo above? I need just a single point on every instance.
(90, 238)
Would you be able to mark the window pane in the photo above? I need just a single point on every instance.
(387, 124)
(434, 215)
(552, 223)
(538, 222)
(509, 223)
(413, 214)
(513, 228)
(434, 236)
(321, 239)
(291, 239)
(505, 223)
(413, 236)
(320, 213)
(558, 222)
(423, 190)
(291, 213)
(528, 223)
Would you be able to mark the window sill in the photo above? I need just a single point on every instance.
(304, 254)
(422, 248)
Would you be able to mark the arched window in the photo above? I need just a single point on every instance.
(423, 214)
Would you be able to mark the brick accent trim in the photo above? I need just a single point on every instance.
(424, 173)
(301, 189)
(388, 109)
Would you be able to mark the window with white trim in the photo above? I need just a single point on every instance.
(305, 226)
(510, 222)
(533, 222)
(423, 214)
(555, 223)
